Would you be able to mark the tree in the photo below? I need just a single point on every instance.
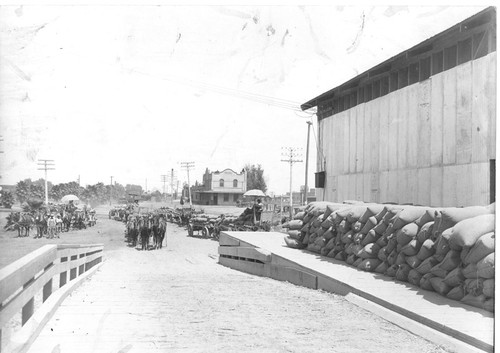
(119, 191)
(59, 190)
(27, 190)
(255, 177)
(133, 189)
(96, 194)
(6, 199)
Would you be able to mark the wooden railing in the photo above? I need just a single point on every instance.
(22, 281)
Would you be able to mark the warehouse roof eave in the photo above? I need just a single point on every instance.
(478, 19)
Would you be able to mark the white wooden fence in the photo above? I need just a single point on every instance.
(33, 274)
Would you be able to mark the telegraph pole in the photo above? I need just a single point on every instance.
(307, 160)
(172, 183)
(110, 190)
(163, 180)
(291, 153)
(188, 166)
(172, 179)
(46, 164)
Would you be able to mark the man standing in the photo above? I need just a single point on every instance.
(258, 207)
(51, 225)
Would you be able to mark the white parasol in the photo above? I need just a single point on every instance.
(68, 198)
(255, 192)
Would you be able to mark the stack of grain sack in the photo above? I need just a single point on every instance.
(446, 250)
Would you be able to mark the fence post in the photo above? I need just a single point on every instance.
(63, 276)
(47, 288)
(81, 268)
(72, 272)
(29, 307)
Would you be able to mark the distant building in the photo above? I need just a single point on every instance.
(220, 188)
(311, 195)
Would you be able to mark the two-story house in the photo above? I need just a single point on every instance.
(220, 188)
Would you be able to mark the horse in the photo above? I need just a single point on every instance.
(132, 231)
(155, 232)
(26, 221)
(144, 232)
(162, 229)
(41, 224)
(66, 221)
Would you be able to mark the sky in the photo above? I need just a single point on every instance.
(132, 91)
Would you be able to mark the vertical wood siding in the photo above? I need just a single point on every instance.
(429, 143)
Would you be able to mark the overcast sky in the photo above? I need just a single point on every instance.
(132, 91)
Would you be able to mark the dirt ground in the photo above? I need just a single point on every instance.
(179, 299)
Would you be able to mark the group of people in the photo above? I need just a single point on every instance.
(50, 221)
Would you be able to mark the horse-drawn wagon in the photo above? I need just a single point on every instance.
(206, 224)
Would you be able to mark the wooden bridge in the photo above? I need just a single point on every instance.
(31, 279)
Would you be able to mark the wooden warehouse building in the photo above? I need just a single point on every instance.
(418, 128)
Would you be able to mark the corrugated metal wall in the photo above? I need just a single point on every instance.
(429, 143)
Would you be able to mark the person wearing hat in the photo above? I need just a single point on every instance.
(258, 207)
(51, 227)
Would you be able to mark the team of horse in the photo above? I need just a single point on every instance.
(63, 220)
(146, 229)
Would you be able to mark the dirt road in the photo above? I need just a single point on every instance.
(179, 299)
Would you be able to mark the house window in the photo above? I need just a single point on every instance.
(235, 183)
(221, 183)
(235, 197)
(226, 197)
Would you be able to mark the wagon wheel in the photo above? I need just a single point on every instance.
(190, 230)
(205, 232)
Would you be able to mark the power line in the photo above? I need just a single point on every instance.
(46, 164)
(259, 98)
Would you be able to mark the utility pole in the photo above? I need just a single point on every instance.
(163, 180)
(188, 166)
(146, 185)
(172, 184)
(78, 179)
(110, 189)
(46, 164)
(291, 153)
(309, 123)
